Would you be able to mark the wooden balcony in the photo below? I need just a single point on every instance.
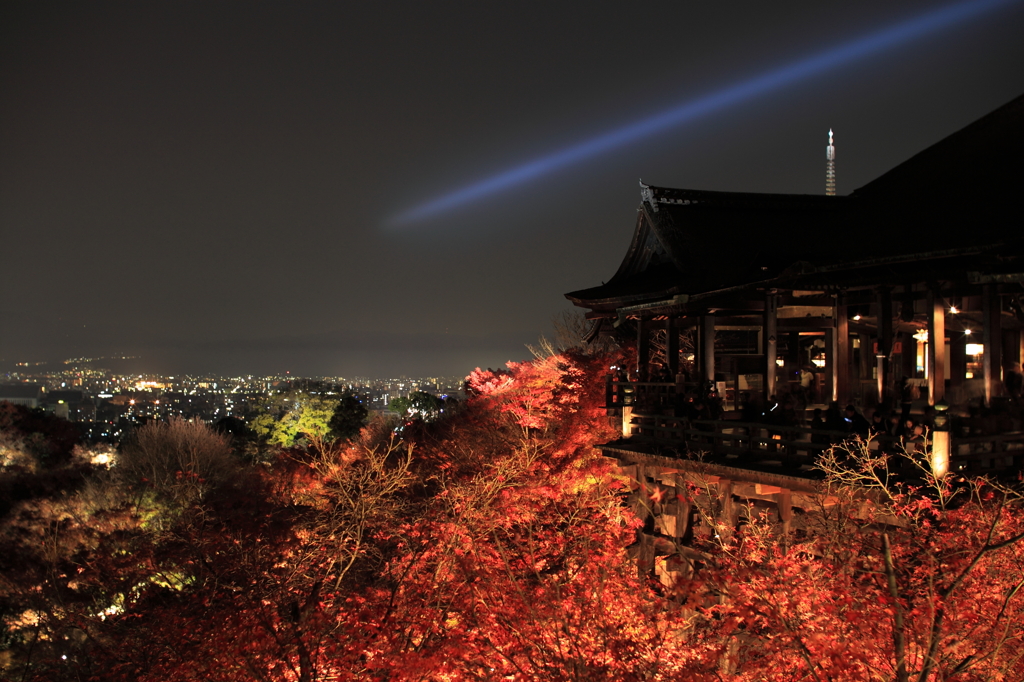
(654, 422)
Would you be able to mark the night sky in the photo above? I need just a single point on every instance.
(217, 186)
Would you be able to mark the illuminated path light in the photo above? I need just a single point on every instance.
(690, 110)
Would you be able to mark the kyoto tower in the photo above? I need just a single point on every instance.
(830, 167)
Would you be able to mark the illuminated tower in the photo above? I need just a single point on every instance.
(830, 167)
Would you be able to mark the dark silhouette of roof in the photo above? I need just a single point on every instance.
(961, 192)
(978, 164)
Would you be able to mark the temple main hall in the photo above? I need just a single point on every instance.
(904, 298)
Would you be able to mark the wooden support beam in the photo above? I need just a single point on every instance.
(804, 324)
(936, 347)
(830, 364)
(907, 303)
(707, 347)
(992, 337)
(841, 353)
(672, 346)
(957, 364)
(729, 513)
(771, 344)
(882, 372)
(684, 517)
(643, 350)
(865, 357)
(784, 500)
(644, 506)
(645, 555)
(908, 357)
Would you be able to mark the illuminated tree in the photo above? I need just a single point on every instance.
(295, 415)
(418, 405)
(288, 418)
(181, 460)
(495, 545)
(886, 583)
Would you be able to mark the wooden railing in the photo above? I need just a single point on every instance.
(784, 446)
(981, 454)
(654, 404)
(798, 446)
(650, 395)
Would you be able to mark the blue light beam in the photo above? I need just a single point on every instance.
(693, 109)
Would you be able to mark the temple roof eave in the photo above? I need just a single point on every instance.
(878, 270)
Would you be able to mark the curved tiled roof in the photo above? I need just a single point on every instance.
(962, 191)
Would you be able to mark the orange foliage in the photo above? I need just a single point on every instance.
(493, 545)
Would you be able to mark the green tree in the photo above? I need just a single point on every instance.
(309, 416)
(349, 417)
(292, 416)
(418, 405)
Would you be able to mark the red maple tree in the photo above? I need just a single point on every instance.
(493, 544)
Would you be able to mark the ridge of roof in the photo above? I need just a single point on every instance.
(673, 196)
(977, 161)
(967, 181)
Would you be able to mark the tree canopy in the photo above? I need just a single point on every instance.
(494, 545)
(418, 405)
(286, 418)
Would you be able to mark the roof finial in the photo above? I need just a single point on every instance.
(830, 167)
(646, 195)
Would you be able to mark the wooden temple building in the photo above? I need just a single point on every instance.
(905, 296)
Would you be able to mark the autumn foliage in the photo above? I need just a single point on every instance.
(494, 544)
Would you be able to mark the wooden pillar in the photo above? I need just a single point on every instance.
(684, 519)
(992, 338)
(830, 364)
(936, 347)
(729, 512)
(644, 509)
(908, 356)
(882, 372)
(643, 351)
(907, 303)
(672, 346)
(841, 353)
(866, 359)
(683, 510)
(707, 347)
(957, 364)
(784, 500)
(771, 343)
